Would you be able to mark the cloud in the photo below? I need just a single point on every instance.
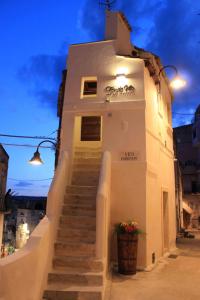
(139, 13)
(170, 29)
(174, 38)
(23, 184)
(42, 75)
(92, 19)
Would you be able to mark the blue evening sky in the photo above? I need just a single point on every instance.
(35, 36)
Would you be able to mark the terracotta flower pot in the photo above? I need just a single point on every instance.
(127, 253)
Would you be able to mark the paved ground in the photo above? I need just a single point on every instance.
(172, 279)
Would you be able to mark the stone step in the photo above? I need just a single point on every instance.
(90, 149)
(81, 190)
(88, 154)
(88, 236)
(78, 222)
(74, 249)
(86, 173)
(70, 279)
(87, 203)
(85, 160)
(77, 239)
(77, 264)
(84, 197)
(70, 210)
(84, 167)
(79, 203)
(85, 180)
(73, 293)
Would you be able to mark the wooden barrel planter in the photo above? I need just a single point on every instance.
(127, 253)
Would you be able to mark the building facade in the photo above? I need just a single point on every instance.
(3, 170)
(3, 179)
(187, 140)
(23, 210)
(115, 101)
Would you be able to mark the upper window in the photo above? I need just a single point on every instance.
(89, 87)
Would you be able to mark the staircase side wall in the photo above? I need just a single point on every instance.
(23, 274)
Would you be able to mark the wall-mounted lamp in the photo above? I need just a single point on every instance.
(121, 79)
(36, 159)
(177, 82)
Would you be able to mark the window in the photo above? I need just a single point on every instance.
(194, 186)
(89, 87)
(194, 133)
(168, 113)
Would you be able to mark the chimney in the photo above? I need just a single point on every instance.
(118, 28)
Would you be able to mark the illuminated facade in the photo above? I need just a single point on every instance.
(114, 87)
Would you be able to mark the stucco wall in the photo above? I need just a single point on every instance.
(100, 60)
(137, 122)
(160, 168)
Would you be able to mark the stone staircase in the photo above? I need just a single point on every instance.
(76, 274)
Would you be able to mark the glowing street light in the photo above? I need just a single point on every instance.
(177, 82)
(36, 159)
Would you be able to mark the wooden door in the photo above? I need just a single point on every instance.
(91, 128)
(165, 223)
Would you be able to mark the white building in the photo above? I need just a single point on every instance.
(133, 125)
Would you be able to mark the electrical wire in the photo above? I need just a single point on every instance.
(184, 114)
(53, 132)
(27, 137)
(14, 179)
(24, 145)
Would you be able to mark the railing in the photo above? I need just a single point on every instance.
(23, 274)
(103, 208)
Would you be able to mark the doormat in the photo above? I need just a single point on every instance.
(174, 256)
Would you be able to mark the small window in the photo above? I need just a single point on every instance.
(194, 187)
(194, 133)
(90, 88)
(168, 113)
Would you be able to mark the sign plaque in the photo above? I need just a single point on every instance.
(129, 156)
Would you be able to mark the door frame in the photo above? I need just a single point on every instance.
(165, 220)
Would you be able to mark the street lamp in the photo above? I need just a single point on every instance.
(36, 159)
(177, 82)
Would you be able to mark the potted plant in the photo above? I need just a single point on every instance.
(127, 241)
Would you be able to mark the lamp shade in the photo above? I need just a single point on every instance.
(36, 159)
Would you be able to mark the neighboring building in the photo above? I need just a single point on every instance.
(26, 210)
(187, 139)
(114, 101)
(178, 196)
(3, 170)
(3, 180)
